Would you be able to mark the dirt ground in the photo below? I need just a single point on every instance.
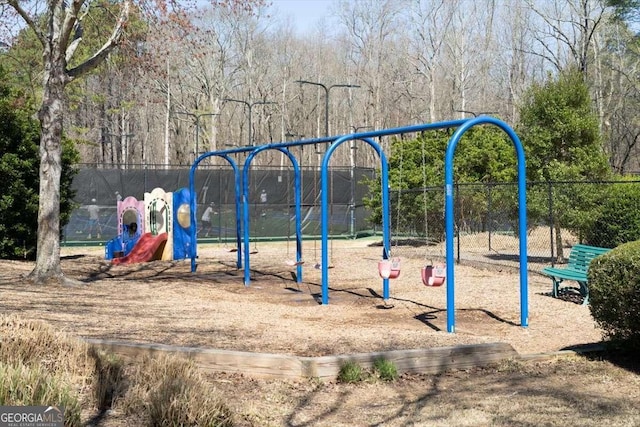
(163, 302)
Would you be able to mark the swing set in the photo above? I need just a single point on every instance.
(388, 267)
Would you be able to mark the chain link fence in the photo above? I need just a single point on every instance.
(486, 221)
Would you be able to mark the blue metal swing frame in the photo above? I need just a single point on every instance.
(461, 126)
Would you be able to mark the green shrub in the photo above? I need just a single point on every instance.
(614, 288)
(350, 372)
(385, 369)
(617, 220)
(19, 168)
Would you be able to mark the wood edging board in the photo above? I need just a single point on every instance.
(426, 361)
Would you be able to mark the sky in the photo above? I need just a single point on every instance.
(304, 13)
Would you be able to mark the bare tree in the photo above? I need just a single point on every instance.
(566, 31)
(371, 27)
(429, 22)
(59, 44)
(616, 57)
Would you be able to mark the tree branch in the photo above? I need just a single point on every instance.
(70, 21)
(27, 19)
(106, 49)
(70, 18)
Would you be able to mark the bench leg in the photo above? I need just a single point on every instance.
(556, 287)
(584, 291)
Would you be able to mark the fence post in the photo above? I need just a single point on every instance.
(489, 213)
(220, 204)
(457, 195)
(145, 179)
(550, 193)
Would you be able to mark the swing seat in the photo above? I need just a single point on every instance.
(318, 266)
(293, 262)
(389, 268)
(433, 275)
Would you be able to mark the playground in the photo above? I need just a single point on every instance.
(306, 298)
(163, 302)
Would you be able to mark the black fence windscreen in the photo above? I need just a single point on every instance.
(271, 199)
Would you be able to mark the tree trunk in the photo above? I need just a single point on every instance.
(51, 115)
(559, 246)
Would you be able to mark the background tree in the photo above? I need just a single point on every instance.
(559, 130)
(19, 138)
(415, 61)
(416, 174)
(617, 217)
(626, 9)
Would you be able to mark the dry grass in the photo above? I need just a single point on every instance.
(35, 343)
(42, 366)
(170, 392)
(22, 385)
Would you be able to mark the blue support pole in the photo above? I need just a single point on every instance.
(246, 219)
(386, 221)
(193, 253)
(449, 231)
(449, 216)
(238, 200)
(297, 184)
(324, 205)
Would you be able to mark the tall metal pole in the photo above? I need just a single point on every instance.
(327, 89)
(250, 108)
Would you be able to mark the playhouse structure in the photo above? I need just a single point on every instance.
(155, 228)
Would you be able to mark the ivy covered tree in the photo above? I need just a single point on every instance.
(562, 141)
(19, 138)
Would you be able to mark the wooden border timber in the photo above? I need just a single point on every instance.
(426, 361)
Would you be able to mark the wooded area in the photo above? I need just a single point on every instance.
(199, 78)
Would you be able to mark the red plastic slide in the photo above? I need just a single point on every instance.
(148, 248)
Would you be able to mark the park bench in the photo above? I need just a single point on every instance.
(576, 270)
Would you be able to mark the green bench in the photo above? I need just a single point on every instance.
(576, 270)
